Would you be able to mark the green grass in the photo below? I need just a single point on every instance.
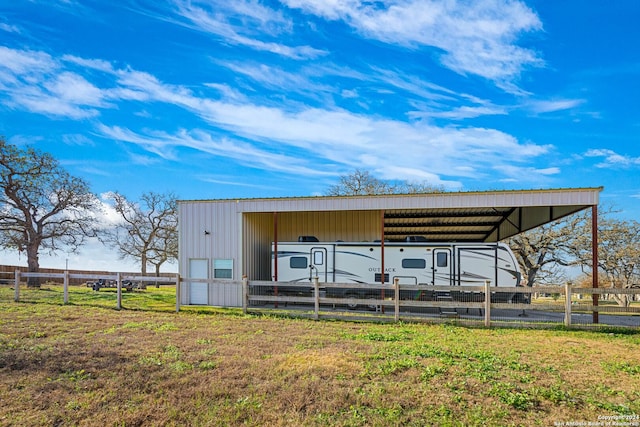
(86, 363)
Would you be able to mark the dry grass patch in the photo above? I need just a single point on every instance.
(87, 365)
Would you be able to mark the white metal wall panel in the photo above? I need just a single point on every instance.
(225, 294)
(209, 231)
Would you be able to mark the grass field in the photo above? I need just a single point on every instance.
(86, 363)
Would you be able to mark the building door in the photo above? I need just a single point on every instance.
(198, 291)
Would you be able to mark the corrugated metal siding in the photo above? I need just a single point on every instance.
(256, 240)
(258, 233)
(220, 220)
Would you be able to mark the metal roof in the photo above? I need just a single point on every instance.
(464, 216)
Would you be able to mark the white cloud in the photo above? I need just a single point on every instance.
(515, 173)
(477, 37)
(96, 64)
(25, 62)
(77, 139)
(293, 138)
(460, 113)
(612, 159)
(9, 28)
(244, 23)
(35, 82)
(74, 89)
(550, 106)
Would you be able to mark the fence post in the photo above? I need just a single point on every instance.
(487, 303)
(316, 293)
(119, 299)
(16, 287)
(567, 304)
(396, 286)
(66, 286)
(177, 293)
(245, 293)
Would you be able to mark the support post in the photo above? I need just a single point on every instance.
(178, 294)
(16, 286)
(567, 304)
(396, 298)
(119, 293)
(66, 286)
(245, 294)
(594, 261)
(382, 270)
(487, 303)
(274, 256)
(316, 299)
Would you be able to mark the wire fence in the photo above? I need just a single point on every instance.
(540, 306)
(113, 290)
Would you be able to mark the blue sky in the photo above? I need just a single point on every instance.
(246, 98)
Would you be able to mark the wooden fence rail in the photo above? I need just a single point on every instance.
(388, 304)
(566, 305)
(119, 278)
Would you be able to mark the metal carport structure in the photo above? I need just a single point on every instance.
(242, 230)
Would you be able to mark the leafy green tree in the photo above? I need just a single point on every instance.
(42, 206)
(147, 231)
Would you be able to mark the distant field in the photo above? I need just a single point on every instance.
(88, 364)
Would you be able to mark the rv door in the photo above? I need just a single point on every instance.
(318, 264)
(442, 267)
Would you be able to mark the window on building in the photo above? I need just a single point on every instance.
(223, 269)
(298, 262)
(414, 263)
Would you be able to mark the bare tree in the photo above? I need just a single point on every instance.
(42, 206)
(618, 254)
(148, 230)
(540, 251)
(362, 182)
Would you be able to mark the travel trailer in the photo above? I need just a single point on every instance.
(413, 262)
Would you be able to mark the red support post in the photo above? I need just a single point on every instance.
(382, 256)
(275, 255)
(594, 254)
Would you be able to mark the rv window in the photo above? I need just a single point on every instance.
(378, 278)
(442, 259)
(318, 259)
(298, 262)
(414, 263)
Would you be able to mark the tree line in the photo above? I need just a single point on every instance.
(43, 207)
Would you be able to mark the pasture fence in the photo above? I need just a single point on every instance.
(118, 281)
(530, 307)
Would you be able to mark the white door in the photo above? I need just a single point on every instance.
(442, 267)
(198, 291)
(319, 264)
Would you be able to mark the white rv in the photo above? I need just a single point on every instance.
(414, 262)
